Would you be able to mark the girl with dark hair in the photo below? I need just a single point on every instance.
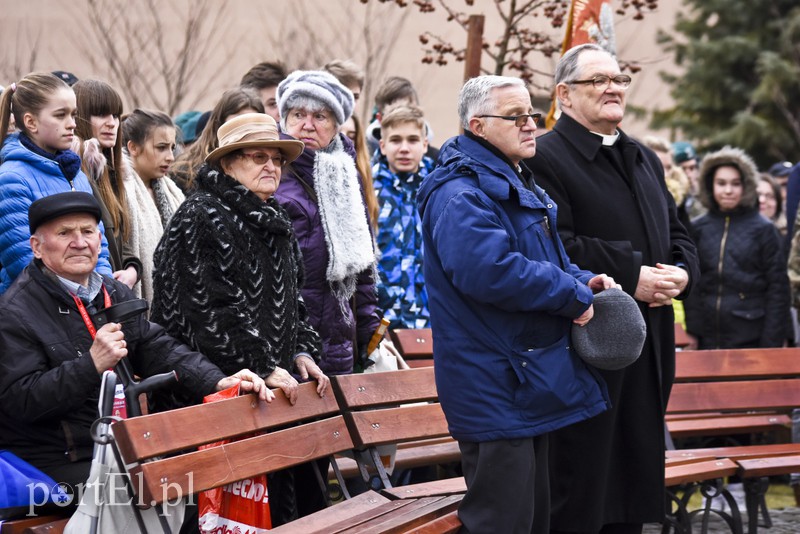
(233, 102)
(149, 138)
(99, 143)
(37, 162)
(742, 299)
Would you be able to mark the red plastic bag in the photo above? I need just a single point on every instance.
(241, 506)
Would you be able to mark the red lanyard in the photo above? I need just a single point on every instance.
(85, 315)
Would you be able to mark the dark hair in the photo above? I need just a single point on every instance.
(30, 95)
(392, 90)
(265, 74)
(96, 98)
(776, 190)
(346, 71)
(140, 123)
(232, 101)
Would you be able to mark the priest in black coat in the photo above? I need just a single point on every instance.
(615, 216)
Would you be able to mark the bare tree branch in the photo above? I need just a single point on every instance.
(148, 60)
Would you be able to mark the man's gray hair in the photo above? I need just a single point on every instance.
(476, 95)
(567, 66)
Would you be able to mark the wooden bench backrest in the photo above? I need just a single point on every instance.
(413, 343)
(734, 396)
(372, 390)
(736, 364)
(165, 433)
(371, 406)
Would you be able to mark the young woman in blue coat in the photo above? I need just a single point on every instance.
(36, 162)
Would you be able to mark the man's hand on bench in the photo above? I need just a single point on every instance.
(249, 382)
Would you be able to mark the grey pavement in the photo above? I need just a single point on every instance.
(784, 521)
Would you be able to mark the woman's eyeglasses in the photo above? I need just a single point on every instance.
(261, 158)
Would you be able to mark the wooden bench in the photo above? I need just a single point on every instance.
(747, 391)
(43, 524)
(159, 448)
(399, 407)
(392, 408)
(697, 410)
(415, 345)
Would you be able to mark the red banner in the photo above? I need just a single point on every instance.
(587, 22)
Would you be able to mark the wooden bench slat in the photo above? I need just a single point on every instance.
(393, 387)
(681, 460)
(727, 425)
(186, 428)
(699, 471)
(52, 524)
(770, 466)
(413, 343)
(179, 476)
(736, 364)
(338, 517)
(418, 512)
(738, 452)
(447, 524)
(447, 486)
(735, 396)
(393, 425)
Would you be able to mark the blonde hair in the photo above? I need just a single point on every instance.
(365, 170)
(401, 114)
(29, 95)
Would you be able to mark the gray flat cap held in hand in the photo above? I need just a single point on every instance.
(614, 338)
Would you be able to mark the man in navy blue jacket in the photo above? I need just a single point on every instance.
(503, 296)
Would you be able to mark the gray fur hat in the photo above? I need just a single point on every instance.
(318, 86)
(614, 337)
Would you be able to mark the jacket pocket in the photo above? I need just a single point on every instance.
(550, 380)
(749, 315)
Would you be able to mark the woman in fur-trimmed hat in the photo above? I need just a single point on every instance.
(742, 299)
(322, 193)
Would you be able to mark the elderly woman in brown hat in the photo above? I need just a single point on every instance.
(228, 270)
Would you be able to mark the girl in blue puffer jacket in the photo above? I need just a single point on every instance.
(36, 162)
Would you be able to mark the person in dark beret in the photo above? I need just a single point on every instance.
(53, 350)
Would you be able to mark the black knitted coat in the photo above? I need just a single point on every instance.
(227, 279)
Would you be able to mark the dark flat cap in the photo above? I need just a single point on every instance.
(54, 206)
(780, 169)
(614, 338)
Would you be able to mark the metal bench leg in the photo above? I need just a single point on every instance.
(714, 488)
(679, 519)
(755, 490)
(339, 481)
(371, 456)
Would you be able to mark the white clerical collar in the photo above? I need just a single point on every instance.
(608, 140)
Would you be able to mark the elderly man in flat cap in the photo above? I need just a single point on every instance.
(53, 352)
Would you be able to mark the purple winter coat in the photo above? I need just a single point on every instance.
(324, 313)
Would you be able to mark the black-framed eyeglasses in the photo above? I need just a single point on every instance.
(519, 120)
(261, 158)
(601, 81)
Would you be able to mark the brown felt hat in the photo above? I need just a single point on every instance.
(253, 130)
